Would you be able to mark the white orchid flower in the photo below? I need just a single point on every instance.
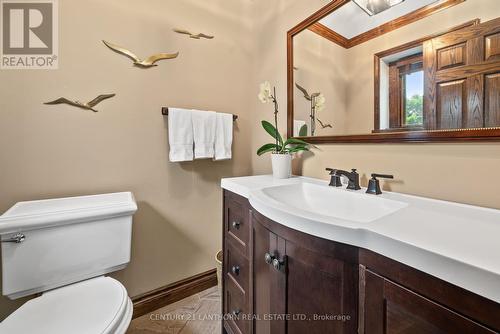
(319, 102)
(265, 92)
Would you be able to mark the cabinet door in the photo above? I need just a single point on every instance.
(462, 78)
(268, 282)
(321, 292)
(387, 307)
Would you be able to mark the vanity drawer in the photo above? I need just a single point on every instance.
(236, 308)
(236, 220)
(236, 267)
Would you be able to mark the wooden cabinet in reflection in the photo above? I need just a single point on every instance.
(462, 78)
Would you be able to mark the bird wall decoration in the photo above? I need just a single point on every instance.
(145, 63)
(87, 106)
(195, 36)
(323, 125)
(306, 94)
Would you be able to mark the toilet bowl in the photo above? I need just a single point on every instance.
(62, 248)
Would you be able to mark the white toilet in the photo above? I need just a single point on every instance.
(62, 248)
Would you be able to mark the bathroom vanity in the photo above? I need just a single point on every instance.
(303, 257)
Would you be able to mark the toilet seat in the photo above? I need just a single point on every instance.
(95, 306)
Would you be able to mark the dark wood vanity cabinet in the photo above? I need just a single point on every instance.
(299, 287)
(278, 280)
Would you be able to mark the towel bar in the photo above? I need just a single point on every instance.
(164, 112)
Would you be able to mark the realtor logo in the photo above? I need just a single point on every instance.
(29, 34)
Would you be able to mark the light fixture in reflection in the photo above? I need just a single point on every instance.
(373, 7)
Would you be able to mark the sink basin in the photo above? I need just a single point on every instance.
(334, 202)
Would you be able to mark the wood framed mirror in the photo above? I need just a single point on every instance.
(374, 71)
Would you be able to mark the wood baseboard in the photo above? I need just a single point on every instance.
(155, 299)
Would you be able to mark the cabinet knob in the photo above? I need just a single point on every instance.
(236, 224)
(278, 265)
(236, 270)
(269, 258)
(236, 312)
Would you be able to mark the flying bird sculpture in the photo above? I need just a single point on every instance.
(306, 94)
(88, 106)
(195, 36)
(323, 125)
(148, 62)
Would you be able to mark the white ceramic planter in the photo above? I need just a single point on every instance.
(282, 165)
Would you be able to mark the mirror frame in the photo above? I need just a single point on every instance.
(453, 135)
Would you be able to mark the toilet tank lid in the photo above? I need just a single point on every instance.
(61, 211)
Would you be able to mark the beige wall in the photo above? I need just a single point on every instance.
(51, 151)
(458, 172)
(321, 67)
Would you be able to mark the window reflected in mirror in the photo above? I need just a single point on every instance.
(403, 88)
(413, 98)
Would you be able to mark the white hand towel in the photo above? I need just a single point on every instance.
(297, 125)
(223, 136)
(203, 133)
(180, 134)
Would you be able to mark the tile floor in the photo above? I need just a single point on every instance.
(197, 314)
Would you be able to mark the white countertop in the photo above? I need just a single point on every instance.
(455, 242)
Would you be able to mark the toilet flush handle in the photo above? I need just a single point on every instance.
(16, 238)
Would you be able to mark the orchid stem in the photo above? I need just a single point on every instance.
(279, 149)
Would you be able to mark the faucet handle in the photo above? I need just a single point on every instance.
(335, 179)
(382, 176)
(374, 184)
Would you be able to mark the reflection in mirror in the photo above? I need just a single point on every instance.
(428, 72)
(317, 78)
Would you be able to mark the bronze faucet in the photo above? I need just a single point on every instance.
(353, 177)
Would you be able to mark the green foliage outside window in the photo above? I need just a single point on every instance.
(414, 110)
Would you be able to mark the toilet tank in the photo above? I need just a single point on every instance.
(66, 240)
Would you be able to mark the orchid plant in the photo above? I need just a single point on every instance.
(317, 101)
(291, 145)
